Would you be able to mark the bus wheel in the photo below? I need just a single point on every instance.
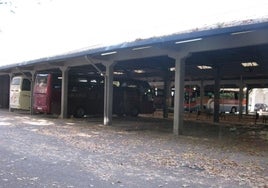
(233, 110)
(134, 112)
(79, 112)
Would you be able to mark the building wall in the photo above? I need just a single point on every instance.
(258, 95)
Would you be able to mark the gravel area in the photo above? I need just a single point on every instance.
(42, 151)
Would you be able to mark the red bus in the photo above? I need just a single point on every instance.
(191, 96)
(86, 95)
(229, 100)
(47, 94)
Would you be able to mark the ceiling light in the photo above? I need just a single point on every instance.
(241, 32)
(108, 53)
(250, 64)
(186, 41)
(142, 47)
(82, 80)
(118, 73)
(139, 71)
(204, 67)
(91, 73)
(172, 69)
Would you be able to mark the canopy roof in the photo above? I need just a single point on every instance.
(222, 45)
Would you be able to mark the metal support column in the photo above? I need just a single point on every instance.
(216, 116)
(247, 99)
(202, 92)
(241, 96)
(179, 95)
(64, 92)
(32, 92)
(108, 95)
(167, 93)
(10, 80)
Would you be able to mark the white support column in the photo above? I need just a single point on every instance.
(64, 92)
(32, 92)
(108, 95)
(179, 94)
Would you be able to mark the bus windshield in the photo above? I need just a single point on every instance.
(41, 83)
(16, 81)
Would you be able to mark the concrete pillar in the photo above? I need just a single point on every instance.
(32, 92)
(202, 93)
(10, 78)
(179, 95)
(64, 92)
(167, 93)
(247, 99)
(216, 117)
(241, 96)
(108, 95)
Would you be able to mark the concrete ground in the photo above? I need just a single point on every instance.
(42, 151)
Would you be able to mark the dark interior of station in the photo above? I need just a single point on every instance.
(226, 62)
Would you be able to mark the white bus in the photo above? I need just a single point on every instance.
(20, 93)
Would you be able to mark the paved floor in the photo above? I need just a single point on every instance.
(36, 151)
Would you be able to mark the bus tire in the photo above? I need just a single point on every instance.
(134, 112)
(233, 110)
(79, 112)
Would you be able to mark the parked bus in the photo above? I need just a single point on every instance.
(86, 95)
(191, 99)
(229, 100)
(47, 94)
(20, 93)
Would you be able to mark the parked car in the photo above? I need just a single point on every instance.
(260, 107)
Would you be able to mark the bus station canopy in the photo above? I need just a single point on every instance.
(238, 49)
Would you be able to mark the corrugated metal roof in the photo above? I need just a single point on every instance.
(209, 31)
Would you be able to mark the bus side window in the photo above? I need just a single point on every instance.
(26, 85)
(236, 96)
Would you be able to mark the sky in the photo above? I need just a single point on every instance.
(32, 29)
